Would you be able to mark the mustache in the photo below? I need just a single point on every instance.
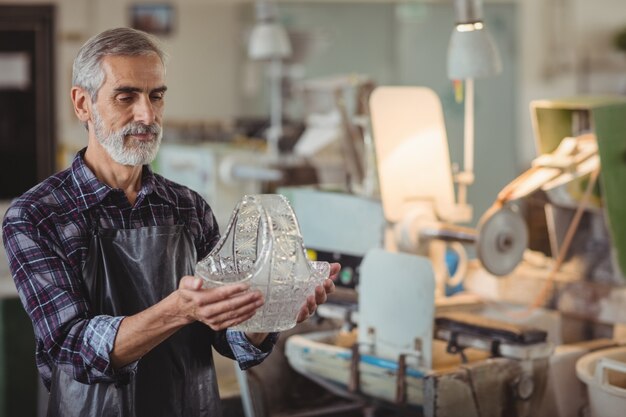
(134, 128)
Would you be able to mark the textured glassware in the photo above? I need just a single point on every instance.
(262, 246)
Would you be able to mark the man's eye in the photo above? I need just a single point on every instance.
(125, 98)
(157, 97)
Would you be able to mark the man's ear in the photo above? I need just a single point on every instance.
(82, 104)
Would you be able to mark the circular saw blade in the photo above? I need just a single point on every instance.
(502, 239)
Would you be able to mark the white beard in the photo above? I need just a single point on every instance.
(124, 149)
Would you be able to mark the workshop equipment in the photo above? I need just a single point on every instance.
(417, 190)
(486, 356)
(396, 359)
(604, 373)
(403, 350)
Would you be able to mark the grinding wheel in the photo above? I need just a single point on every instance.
(502, 239)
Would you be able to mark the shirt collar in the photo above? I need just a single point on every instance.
(155, 183)
(92, 191)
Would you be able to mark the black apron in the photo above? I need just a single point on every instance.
(127, 271)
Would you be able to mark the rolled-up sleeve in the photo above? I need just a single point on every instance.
(68, 335)
(100, 335)
(246, 354)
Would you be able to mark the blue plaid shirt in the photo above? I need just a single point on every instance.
(46, 236)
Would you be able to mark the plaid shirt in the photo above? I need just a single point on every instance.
(46, 236)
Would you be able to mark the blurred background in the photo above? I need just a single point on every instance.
(241, 120)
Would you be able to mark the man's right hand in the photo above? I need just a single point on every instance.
(220, 307)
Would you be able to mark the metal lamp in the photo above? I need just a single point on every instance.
(269, 42)
(472, 53)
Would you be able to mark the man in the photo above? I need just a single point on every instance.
(103, 254)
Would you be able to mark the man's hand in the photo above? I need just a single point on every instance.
(321, 294)
(220, 307)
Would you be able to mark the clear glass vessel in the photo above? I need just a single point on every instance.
(262, 246)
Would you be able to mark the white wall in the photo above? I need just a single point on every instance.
(204, 72)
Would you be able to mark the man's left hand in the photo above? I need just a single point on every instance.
(321, 294)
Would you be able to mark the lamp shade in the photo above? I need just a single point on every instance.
(472, 53)
(269, 40)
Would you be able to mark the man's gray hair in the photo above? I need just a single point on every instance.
(87, 71)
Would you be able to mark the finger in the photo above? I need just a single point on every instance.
(320, 295)
(229, 306)
(230, 323)
(329, 286)
(334, 270)
(311, 304)
(214, 295)
(303, 314)
(234, 314)
(190, 283)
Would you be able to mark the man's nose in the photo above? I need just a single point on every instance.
(144, 111)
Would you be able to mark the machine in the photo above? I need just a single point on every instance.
(397, 343)
(411, 338)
